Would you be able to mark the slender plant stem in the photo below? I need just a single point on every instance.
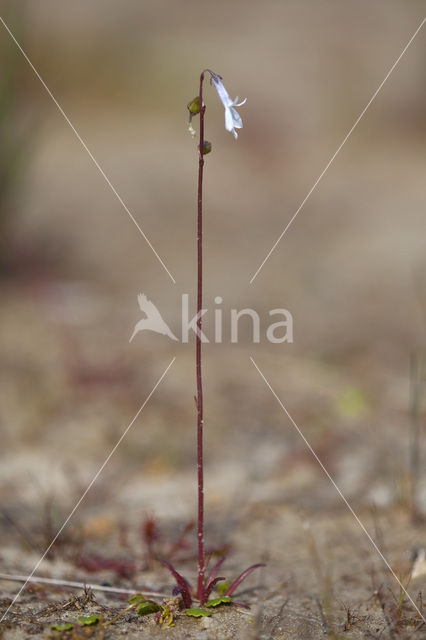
(200, 419)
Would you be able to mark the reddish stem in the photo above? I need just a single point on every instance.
(201, 564)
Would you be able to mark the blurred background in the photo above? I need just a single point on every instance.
(351, 268)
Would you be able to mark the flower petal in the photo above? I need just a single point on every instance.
(229, 120)
(222, 92)
(236, 118)
(232, 118)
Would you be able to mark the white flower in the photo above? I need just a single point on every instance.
(232, 118)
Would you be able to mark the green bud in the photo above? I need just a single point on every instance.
(207, 147)
(194, 106)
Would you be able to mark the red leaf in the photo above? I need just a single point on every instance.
(242, 577)
(183, 584)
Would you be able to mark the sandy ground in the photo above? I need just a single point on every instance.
(266, 495)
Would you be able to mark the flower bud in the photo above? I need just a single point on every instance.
(207, 147)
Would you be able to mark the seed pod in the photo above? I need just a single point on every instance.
(207, 147)
(194, 106)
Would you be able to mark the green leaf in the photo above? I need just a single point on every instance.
(223, 587)
(138, 597)
(198, 613)
(86, 621)
(62, 627)
(145, 608)
(218, 601)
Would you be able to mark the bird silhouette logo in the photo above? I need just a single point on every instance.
(153, 320)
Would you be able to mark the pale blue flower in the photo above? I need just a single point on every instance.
(232, 118)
